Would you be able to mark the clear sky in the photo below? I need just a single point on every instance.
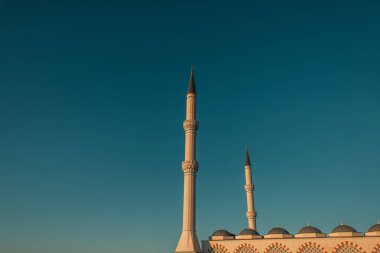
(92, 100)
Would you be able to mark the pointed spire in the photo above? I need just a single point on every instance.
(247, 160)
(191, 88)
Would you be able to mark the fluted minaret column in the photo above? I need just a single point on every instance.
(188, 241)
(251, 214)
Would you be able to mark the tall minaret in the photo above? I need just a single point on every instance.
(188, 241)
(251, 214)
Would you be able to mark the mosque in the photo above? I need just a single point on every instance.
(309, 239)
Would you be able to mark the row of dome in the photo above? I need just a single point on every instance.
(304, 230)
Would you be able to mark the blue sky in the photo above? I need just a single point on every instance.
(92, 99)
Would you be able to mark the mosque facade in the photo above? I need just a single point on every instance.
(309, 239)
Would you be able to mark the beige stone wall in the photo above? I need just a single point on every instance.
(295, 245)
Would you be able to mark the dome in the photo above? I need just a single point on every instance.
(278, 230)
(248, 231)
(343, 228)
(222, 232)
(309, 229)
(374, 228)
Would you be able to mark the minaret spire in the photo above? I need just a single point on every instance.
(188, 241)
(247, 160)
(249, 187)
(191, 88)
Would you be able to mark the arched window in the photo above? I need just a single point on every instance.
(246, 248)
(217, 248)
(347, 247)
(310, 247)
(376, 249)
(277, 248)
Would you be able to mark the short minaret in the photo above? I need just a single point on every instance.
(188, 241)
(251, 214)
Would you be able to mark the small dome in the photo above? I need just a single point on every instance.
(374, 228)
(278, 230)
(309, 229)
(343, 228)
(248, 231)
(222, 232)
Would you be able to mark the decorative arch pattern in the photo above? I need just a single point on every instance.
(217, 248)
(246, 248)
(277, 248)
(376, 249)
(348, 247)
(310, 247)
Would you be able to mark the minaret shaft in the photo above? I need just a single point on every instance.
(189, 204)
(191, 106)
(188, 241)
(190, 133)
(249, 187)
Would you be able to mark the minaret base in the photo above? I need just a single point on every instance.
(188, 243)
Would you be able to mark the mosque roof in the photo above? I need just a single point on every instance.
(343, 228)
(309, 229)
(374, 228)
(222, 232)
(248, 231)
(278, 230)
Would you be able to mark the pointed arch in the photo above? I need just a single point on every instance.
(277, 247)
(217, 248)
(348, 247)
(311, 247)
(376, 249)
(246, 248)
